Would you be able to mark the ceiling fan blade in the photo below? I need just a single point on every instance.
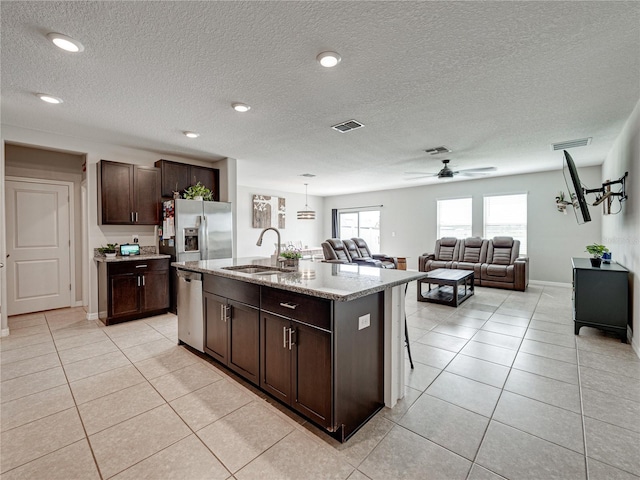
(481, 169)
(421, 176)
(419, 173)
(470, 174)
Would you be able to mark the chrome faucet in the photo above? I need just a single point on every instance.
(259, 242)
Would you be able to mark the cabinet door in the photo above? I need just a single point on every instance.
(311, 371)
(147, 195)
(155, 292)
(116, 193)
(175, 177)
(204, 175)
(244, 338)
(275, 368)
(125, 294)
(216, 336)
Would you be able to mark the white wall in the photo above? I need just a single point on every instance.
(553, 238)
(621, 232)
(95, 151)
(309, 232)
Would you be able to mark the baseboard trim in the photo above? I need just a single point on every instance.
(550, 284)
(92, 316)
(4, 332)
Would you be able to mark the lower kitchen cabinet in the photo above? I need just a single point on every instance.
(296, 366)
(128, 290)
(232, 324)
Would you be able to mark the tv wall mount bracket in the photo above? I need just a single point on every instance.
(605, 192)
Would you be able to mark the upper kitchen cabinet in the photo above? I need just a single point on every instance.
(128, 194)
(178, 176)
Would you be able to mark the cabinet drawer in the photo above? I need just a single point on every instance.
(138, 266)
(248, 293)
(311, 310)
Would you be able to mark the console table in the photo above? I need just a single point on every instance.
(600, 297)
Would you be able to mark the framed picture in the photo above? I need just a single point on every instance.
(268, 211)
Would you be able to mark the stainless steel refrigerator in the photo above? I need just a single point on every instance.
(194, 230)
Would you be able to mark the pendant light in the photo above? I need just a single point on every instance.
(306, 214)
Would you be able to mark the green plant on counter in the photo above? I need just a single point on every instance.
(198, 190)
(110, 248)
(291, 253)
(596, 250)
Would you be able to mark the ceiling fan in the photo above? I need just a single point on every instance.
(446, 172)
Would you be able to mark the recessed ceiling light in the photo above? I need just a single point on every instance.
(191, 134)
(65, 43)
(328, 59)
(241, 107)
(48, 98)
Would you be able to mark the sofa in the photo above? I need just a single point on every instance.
(495, 262)
(354, 251)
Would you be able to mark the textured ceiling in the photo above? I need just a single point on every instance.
(497, 82)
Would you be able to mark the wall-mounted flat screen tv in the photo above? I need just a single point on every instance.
(576, 192)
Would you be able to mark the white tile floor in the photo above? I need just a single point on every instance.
(501, 388)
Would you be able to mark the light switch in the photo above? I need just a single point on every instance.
(364, 321)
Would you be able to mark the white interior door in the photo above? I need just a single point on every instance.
(38, 246)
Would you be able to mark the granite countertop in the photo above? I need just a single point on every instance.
(130, 258)
(324, 280)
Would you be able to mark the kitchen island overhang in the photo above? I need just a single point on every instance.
(365, 329)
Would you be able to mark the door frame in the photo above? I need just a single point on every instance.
(72, 243)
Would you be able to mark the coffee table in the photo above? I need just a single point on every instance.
(452, 286)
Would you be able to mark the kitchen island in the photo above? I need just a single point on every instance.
(325, 339)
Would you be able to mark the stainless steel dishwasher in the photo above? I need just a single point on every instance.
(190, 315)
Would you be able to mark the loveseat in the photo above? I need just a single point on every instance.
(495, 262)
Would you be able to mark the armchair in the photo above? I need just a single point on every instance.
(357, 257)
(503, 268)
(446, 252)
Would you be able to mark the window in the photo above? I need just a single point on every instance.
(454, 218)
(506, 215)
(363, 224)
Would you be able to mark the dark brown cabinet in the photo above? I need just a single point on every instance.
(232, 324)
(132, 289)
(296, 362)
(128, 194)
(175, 177)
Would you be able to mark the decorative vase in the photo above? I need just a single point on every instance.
(290, 262)
(199, 198)
(110, 254)
(595, 262)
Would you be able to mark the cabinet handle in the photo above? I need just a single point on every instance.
(136, 216)
(141, 266)
(223, 316)
(138, 281)
(143, 280)
(132, 217)
(284, 337)
(291, 332)
(292, 306)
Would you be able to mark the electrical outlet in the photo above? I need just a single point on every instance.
(134, 238)
(364, 321)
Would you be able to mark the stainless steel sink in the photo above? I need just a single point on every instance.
(255, 269)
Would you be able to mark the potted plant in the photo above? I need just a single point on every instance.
(596, 250)
(291, 256)
(561, 202)
(198, 192)
(109, 250)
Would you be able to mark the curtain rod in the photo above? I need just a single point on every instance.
(353, 208)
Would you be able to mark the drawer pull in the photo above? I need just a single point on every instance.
(141, 266)
(292, 306)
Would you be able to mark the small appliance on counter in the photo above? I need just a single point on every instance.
(129, 249)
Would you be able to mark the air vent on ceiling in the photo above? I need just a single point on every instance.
(437, 150)
(583, 142)
(347, 126)
(308, 175)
